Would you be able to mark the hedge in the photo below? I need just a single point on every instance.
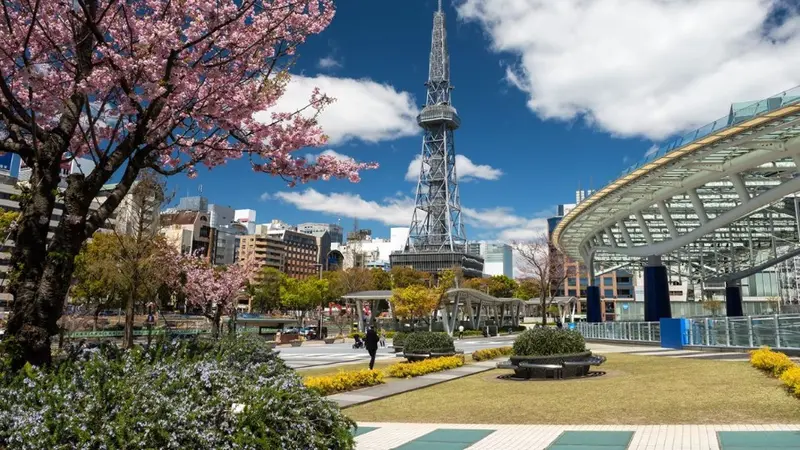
(491, 353)
(548, 341)
(344, 381)
(422, 342)
(424, 367)
(232, 393)
(389, 334)
(777, 365)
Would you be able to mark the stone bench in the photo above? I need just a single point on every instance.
(556, 369)
(576, 368)
(507, 365)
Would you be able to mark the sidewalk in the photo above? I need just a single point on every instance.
(369, 394)
(385, 436)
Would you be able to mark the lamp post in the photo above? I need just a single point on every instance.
(319, 310)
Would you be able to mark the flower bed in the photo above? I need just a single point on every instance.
(344, 381)
(491, 353)
(419, 368)
(232, 393)
(777, 365)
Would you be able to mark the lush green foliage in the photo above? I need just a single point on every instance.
(424, 367)
(265, 290)
(414, 301)
(422, 342)
(548, 341)
(491, 353)
(197, 394)
(344, 381)
(403, 276)
(389, 334)
(399, 338)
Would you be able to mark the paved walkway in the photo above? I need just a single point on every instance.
(409, 384)
(668, 352)
(385, 436)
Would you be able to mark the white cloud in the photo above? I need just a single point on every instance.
(363, 110)
(465, 169)
(642, 67)
(312, 157)
(651, 151)
(328, 63)
(503, 223)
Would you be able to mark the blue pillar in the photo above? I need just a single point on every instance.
(733, 300)
(656, 291)
(593, 312)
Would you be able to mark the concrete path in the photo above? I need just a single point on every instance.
(385, 436)
(666, 352)
(369, 394)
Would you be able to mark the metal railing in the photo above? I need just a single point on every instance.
(621, 331)
(780, 331)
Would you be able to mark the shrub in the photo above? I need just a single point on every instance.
(491, 353)
(427, 342)
(791, 378)
(548, 341)
(344, 381)
(197, 394)
(773, 362)
(389, 334)
(424, 367)
(399, 338)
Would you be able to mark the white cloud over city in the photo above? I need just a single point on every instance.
(364, 110)
(641, 67)
(312, 157)
(501, 223)
(465, 169)
(329, 63)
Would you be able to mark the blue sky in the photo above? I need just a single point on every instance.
(553, 96)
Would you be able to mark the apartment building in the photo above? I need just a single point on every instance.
(268, 251)
(301, 253)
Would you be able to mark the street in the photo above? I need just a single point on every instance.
(319, 355)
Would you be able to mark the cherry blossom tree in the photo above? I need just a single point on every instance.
(215, 289)
(133, 85)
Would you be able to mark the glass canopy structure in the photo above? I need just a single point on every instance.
(715, 205)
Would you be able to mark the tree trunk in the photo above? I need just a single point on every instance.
(215, 321)
(129, 316)
(544, 311)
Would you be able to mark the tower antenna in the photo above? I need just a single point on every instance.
(440, 5)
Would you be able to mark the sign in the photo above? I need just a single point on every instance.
(5, 161)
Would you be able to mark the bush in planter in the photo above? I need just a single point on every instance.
(399, 338)
(196, 394)
(422, 342)
(548, 341)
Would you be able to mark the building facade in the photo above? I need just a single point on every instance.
(497, 257)
(220, 215)
(189, 233)
(246, 217)
(335, 231)
(267, 251)
(301, 253)
(227, 247)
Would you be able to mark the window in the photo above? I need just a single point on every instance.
(608, 281)
(571, 281)
(624, 279)
(572, 293)
(608, 293)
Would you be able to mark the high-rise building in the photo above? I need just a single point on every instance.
(227, 237)
(246, 217)
(583, 194)
(220, 215)
(196, 203)
(334, 231)
(497, 257)
(268, 251)
(302, 259)
(437, 240)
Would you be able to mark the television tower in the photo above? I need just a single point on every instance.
(436, 239)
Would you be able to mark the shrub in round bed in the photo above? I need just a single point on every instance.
(549, 346)
(224, 394)
(398, 339)
(427, 342)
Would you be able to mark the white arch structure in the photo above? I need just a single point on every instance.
(715, 202)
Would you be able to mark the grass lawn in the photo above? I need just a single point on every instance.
(637, 390)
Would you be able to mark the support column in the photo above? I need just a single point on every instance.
(360, 308)
(656, 291)
(733, 299)
(594, 307)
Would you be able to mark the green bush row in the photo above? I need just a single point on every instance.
(428, 341)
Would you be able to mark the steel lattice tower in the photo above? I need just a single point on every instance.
(436, 239)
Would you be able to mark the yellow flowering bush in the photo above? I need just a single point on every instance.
(424, 367)
(344, 381)
(791, 378)
(491, 353)
(773, 362)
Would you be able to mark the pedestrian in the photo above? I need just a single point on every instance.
(460, 331)
(383, 338)
(559, 325)
(371, 342)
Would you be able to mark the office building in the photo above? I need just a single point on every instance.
(246, 217)
(301, 253)
(334, 231)
(362, 250)
(196, 203)
(189, 233)
(227, 238)
(268, 251)
(497, 257)
(220, 215)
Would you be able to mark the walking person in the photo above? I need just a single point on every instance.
(383, 338)
(371, 342)
(460, 332)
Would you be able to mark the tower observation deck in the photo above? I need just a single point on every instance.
(436, 239)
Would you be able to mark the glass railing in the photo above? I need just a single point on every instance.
(779, 331)
(621, 331)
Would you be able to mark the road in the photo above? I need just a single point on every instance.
(316, 355)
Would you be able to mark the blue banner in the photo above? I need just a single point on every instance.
(5, 161)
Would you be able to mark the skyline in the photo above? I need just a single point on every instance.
(523, 87)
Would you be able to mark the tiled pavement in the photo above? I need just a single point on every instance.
(668, 352)
(385, 436)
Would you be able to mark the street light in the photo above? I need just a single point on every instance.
(320, 310)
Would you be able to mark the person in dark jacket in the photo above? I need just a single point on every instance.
(371, 342)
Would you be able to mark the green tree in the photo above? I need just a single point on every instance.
(479, 284)
(404, 276)
(527, 289)
(265, 290)
(94, 284)
(501, 286)
(301, 296)
(381, 280)
(414, 301)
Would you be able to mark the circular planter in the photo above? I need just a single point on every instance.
(296, 343)
(551, 359)
(397, 349)
(412, 357)
(329, 340)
